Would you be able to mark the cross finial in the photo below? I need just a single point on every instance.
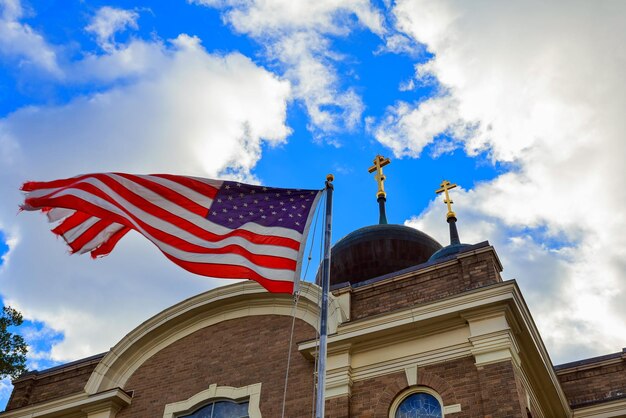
(445, 186)
(379, 163)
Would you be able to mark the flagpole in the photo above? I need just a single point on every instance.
(321, 368)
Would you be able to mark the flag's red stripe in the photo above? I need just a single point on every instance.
(73, 202)
(168, 194)
(258, 259)
(193, 184)
(166, 216)
(228, 271)
(31, 186)
(71, 222)
(88, 235)
(107, 246)
(182, 223)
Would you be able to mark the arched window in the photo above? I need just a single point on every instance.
(221, 409)
(218, 402)
(417, 403)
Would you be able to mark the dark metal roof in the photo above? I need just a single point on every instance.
(377, 250)
(591, 360)
(76, 363)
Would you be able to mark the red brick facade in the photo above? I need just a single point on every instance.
(236, 353)
(253, 349)
(33, 388)
(463, 274)
(592, 381)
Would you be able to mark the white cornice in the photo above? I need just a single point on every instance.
(519, 341)
(78, 405)
(604, 410)
(238, 300)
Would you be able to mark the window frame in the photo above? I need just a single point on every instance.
(411, 391)
(251, 393)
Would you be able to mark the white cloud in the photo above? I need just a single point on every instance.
(21, 42)
(200, 114)
(406, 129)
(108, 21)
(572, 313)
(542, 85)
(297, 35)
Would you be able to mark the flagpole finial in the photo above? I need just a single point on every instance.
(330, 177)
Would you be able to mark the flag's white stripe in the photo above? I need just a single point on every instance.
(232, 259)
(56, 214)
(190, 194)
(157, 223)
(101, 238)
(41, 193)
(80, 229)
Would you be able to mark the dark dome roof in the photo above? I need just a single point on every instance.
(376, 250)
(449, 250)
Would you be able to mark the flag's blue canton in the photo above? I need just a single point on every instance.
(236, 204)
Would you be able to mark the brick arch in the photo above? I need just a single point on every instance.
(389, 393)
(438, 384)
(392, 390)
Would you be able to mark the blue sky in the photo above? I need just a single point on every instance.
(520, 104)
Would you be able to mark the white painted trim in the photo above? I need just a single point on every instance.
(239, 300)
(603, 410)
(79, 405)
(251, 392)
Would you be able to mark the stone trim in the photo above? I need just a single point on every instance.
(214, 392)
(100, 405)
(238, 300)
(603, 410)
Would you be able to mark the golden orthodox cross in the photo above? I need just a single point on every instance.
(445, 186)
(379, 163)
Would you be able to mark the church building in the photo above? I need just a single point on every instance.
(415, 330)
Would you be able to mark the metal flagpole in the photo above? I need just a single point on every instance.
(321, 368)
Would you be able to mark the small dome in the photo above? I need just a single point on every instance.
(376, 250)
(448, 250)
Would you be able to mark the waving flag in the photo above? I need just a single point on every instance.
(212, 228)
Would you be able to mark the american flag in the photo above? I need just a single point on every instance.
(213, 228)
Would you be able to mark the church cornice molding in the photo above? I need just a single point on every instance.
(81, 405)
(238, 300)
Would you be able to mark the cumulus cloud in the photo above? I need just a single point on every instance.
(201, 114)
(108, 21)
(298, 36)
(19, 41)
(542, 87)
(558, 281)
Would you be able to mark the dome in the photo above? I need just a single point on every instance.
(376, 250)
(449, 250)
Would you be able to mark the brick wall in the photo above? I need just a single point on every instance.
(487, 391)
(432, 284)
(501, 391)
(47, 386)
(236, 353)
(594, 384)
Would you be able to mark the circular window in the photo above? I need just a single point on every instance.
(419, 405)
